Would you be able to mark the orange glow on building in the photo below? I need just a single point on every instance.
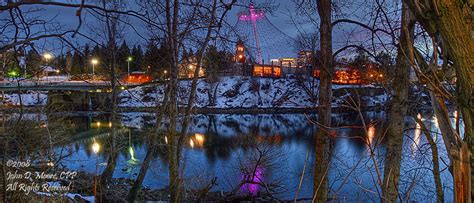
(240, 52)
(137, 77)
(260, 70)
(351, 75)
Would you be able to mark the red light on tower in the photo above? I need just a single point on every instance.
(240, 52)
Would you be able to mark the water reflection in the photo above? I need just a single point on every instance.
(226, 147)
(132, 160)
(252, 181)
(416, 136)
(195, 140)
(371, 134)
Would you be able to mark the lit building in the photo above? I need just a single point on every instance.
(349, 74)
(240, 52)
(288, 63)
(262, 70)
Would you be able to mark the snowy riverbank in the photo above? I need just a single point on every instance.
(235, 92)
(248, 92)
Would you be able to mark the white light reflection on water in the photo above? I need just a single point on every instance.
(416, 136)
(371, 134)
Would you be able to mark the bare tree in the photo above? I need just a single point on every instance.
(398, 109)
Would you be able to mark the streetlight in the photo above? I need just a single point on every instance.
(94, 62)
(47, 57)
(128, 64)
(164, 76)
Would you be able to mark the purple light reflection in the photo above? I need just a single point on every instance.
(252, 182)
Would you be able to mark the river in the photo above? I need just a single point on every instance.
(274, 148)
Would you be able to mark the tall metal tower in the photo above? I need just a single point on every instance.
(260, 37)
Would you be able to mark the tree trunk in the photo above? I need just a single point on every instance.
(435, 159)
(322, 159)
(172, 15)
(321, 167)
(455, 26)
(135, 190)
(133, 193)
(397, 112)
(325, 86)
(452, 20)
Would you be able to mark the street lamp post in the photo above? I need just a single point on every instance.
(94, 61)
(128, 64)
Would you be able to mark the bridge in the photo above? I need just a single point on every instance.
(23, 85)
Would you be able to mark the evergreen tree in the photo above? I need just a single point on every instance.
(34, 61)
(69, 64)
(137, 59)
(77, 61)
(98, 53)
(151, 59)
(122, 55)
(215, 62)
(163, 59)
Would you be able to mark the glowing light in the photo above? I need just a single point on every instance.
(165, 71)
(371, 133)
(122, 88)
(199, 137)
(57, 71)
(110, 124)
(252, 14)
(381, 75)
(416, 136)
(455, 116)
(253, 181)
(94, 61)
(132, 154)
(47, 56)
(95, 147)
(240, 56)
(435, 121)
(191, 143)
(129, 58)
(98, 123)
(166, 140)
(50, 164)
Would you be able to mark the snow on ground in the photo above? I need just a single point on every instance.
(242, 92)
(30, 98)
(227, 92)
(230, 92)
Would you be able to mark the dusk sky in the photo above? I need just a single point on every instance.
(280, 18)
